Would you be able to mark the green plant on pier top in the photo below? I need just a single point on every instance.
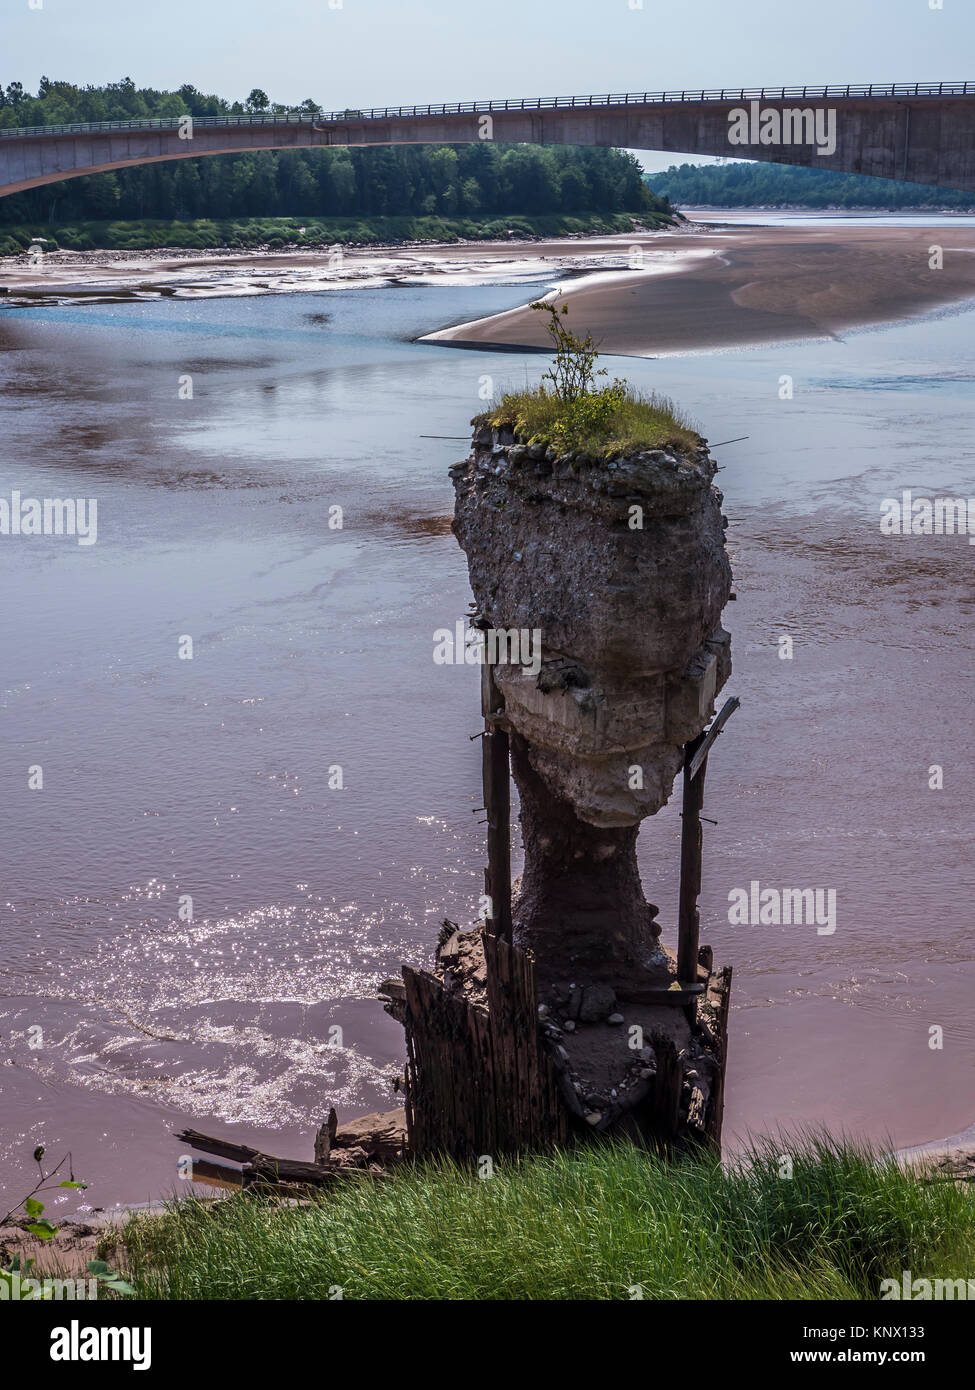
(574, 414)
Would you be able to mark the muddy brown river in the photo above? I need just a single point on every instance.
(223, 854)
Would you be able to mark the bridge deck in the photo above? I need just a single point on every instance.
(878, 91)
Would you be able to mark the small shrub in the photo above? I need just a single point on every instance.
(575, 415)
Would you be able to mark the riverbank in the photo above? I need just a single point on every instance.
(597, 1223)
(753, 285)
(706, 286)
(314, 233)
(188, 1249)
(61, 277)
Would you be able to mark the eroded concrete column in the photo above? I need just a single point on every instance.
(619, 568)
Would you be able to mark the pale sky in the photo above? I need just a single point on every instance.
(392, 52)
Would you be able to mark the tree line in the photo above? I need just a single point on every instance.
(473, 180)
(753, 184)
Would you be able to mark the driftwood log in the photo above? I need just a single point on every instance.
(366, 1146)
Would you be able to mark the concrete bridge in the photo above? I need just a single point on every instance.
(923, 132)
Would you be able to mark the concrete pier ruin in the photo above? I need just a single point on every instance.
(618, 568)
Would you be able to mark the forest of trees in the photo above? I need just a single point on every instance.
(752, 184)
(476, 180)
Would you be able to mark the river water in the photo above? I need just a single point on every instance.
(214, 778)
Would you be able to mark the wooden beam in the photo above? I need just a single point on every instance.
(496, 781)
(261, 1169)
(703, 743)
(223, 1148)
(688, 916)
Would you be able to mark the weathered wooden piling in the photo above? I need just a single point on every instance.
(496, 783)
(691, 846)
(479, 1082)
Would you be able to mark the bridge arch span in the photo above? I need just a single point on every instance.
(924, 133)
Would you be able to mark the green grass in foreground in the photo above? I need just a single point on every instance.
(588, 1224)
(279, 233)
(604, 424)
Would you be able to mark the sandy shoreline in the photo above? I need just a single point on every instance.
(756, 285)
(698, 288)
(97, 276)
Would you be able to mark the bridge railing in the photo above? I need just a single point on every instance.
(614, 99)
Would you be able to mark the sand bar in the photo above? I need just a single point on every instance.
(701, 287)
(757, 285)
(60, 276)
